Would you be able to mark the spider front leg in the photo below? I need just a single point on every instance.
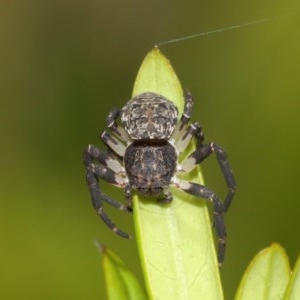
(115, 127)
(185, 117)
(193, 130)
(206, 193)
(103, 171)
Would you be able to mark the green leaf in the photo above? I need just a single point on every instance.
(120, 281)
(293, 289)
(267, 275)
(175, 241)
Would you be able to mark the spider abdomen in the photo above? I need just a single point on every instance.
(150, 165)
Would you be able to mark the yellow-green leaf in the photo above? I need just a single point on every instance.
(175, 241)
(121, 284)
(293, 289)
(267, 275)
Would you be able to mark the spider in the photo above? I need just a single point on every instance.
(142, 156)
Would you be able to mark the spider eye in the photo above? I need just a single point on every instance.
(137, 112)
(141, 121)
(160, 110)
(159, 120)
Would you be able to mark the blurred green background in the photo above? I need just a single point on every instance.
(65, 64)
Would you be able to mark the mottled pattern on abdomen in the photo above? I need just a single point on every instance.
(150, 166)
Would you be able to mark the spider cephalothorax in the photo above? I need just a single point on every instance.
(143, 156)
(149, 116)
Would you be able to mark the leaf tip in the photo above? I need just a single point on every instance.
(100, 247)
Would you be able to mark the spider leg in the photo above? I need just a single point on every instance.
(193, 130)
(183, 133)
(115, 127)
(204, 151)
(96, 172)
(113, 143)
(188, 108)
(107, 159)
(128, 197)
(185, 117)
(167, 196)
(206, 193)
